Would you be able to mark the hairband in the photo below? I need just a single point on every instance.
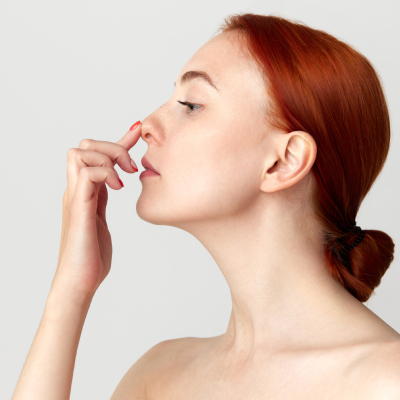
(354, 228)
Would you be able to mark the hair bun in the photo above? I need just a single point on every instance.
(354, 232)
(360, 268)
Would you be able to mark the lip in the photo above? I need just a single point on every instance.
(146, 164)
(148, 172)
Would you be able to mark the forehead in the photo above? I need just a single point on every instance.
(231, 69)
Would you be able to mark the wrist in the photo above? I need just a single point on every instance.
(64, 289)
(66, 297)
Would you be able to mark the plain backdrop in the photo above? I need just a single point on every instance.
(90, 69)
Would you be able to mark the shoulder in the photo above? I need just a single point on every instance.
(376, 375)
(176, 350)
(156, 362)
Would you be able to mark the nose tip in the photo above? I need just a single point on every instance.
(153, 126)
(149, 129)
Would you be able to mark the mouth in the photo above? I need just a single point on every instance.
(147, 166)
(148, 172)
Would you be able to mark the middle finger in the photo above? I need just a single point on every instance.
(117, 153)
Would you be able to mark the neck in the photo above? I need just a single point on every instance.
(282, 293)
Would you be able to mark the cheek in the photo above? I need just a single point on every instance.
(210, 173)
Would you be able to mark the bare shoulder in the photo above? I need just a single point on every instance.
(377, 373)
(159, 361)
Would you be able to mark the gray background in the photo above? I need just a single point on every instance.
(90, 69)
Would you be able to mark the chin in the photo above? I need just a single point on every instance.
(146, 211)
(151, 212)
(160, 214)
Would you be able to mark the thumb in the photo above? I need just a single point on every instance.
(132, 136)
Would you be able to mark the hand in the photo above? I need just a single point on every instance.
(85, 250)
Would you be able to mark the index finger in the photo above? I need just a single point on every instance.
(132, 136)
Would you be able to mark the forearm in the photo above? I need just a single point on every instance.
(49, 366)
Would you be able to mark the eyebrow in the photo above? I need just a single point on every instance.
(190, 75)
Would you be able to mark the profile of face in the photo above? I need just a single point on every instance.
(211, 157)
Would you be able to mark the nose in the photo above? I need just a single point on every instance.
(153, 126)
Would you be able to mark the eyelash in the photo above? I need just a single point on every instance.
(189, 105)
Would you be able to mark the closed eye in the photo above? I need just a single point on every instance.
(190, 106)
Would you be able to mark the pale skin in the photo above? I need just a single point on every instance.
(242, 188)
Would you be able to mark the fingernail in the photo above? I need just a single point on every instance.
(134, 125)
(121, 182)
(134, 165)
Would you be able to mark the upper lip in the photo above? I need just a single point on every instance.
(146, 164)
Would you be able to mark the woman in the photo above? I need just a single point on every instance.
(273, 137)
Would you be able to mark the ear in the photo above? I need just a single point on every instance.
(292, 159)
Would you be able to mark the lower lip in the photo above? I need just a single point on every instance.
(148, 172)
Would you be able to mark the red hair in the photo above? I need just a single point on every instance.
(321, 85)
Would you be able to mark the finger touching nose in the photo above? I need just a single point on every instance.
(132, 136)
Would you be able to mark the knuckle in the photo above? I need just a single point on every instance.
(122, 153)
(126, 154)
(107, 162)
(111, 172)
(71, 153)
(110, 165)
(85, 143)
(84, 171)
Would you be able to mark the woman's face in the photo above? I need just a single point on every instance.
(210, 159)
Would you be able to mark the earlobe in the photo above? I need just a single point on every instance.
(295, 156)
